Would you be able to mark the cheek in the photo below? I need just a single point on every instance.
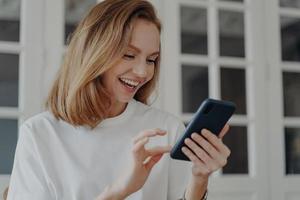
(108, 80)
(104, 80)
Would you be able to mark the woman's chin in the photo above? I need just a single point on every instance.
(125, 99)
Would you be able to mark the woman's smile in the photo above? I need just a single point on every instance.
(129, 85)
(137, 66)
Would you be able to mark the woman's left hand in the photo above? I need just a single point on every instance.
(208, 153)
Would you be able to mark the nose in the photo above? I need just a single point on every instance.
(140, 69)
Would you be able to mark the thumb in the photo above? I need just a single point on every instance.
(153, 161)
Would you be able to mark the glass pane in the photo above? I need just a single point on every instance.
(8, 141)
(193, 30)
(292, 150)
(233, 88)
(291, 93)
(9, 80)
(290, 38)
(194, 87)
(290, 3)
(74, 12)
(236, 140)
(232, 41)
(9, 20)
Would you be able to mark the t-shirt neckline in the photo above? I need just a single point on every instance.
(121, 117)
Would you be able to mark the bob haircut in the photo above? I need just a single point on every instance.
(98, 43)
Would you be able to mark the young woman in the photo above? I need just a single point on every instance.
(99, 139)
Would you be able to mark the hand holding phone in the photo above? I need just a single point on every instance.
(211, 115)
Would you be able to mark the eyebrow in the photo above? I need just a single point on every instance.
(138, 50)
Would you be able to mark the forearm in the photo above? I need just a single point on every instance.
(110, 193)
(196, 189)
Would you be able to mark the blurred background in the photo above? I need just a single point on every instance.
(246, 51)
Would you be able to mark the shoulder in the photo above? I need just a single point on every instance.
(41, 119)
(44, 126)
(34, 132)
(45, 131)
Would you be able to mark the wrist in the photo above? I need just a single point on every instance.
(200, 180)
(204, 197)
(112, 193)
(197, 188)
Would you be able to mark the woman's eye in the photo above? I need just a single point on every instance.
(150, 61)
(128, 56)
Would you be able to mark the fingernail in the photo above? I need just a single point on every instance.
(161, 130)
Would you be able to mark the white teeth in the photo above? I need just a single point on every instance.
(130, 82)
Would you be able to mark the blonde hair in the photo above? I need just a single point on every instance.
(98, 43)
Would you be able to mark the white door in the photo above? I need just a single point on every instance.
(220, 55)
(283, 60)
(21, 61)
(246, 51)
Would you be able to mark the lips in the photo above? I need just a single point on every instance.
(130, 86)
(129, 82)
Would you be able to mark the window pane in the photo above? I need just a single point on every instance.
(233, 88)
(74, 12)
(236, 140)
(194, 87)
(9, 80)
(10, 20)
(292, 150)
(193, 30)
(290, 3)
(291, 94)
(8, 141)
(231, 33)
(290, 38)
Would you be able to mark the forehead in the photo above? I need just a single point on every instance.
(145, 36)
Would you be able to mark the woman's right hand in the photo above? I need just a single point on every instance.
(142, 162)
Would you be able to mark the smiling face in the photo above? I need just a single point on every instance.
(137, 66)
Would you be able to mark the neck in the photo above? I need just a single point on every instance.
(116, 109)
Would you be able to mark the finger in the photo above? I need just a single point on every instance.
(224, 131)
(200, 153)
(153, 161)
(210, 149)
(209, 155)
(195, 160)
(158, 150)
(139, 145)
(216, 142)
(149, 133)
(199, 165)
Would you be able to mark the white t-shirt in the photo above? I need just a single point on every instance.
(57, 161)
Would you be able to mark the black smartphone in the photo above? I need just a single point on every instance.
(212, 115)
